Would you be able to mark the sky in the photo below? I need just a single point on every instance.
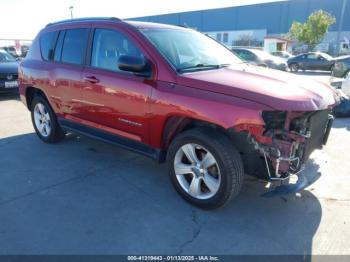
(22, 19)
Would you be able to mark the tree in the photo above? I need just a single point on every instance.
(313, 30)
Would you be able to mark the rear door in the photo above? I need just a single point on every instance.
(324, 63)
(311, 62)
(68, 59)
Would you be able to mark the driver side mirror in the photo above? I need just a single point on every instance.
(137, 65)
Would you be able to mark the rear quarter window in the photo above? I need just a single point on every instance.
(46, 44)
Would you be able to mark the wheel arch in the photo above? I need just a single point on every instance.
(174, 125)
(31, 92)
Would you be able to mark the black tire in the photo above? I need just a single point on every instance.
(56, 133)
(294, 67)
(227, 159)
(347, 74)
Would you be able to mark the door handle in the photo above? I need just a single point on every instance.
(91, 79)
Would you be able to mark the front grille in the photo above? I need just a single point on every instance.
(4, 76)
(318, 123)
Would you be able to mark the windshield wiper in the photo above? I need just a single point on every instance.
(202, 67)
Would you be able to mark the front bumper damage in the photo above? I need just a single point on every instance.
(287, 139)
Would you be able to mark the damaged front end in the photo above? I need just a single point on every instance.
(287, 139)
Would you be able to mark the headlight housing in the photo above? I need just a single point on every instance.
(274, 119)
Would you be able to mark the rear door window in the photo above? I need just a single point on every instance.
(312, 56)
(246, 55)
(46, 44)
(59, 45)
(74, 46)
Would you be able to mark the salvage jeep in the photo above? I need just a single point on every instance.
(175, 95)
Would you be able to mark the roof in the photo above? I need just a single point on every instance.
(86, 19)
(150, 25)
(137, 24)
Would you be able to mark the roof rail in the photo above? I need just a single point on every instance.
(85, 19)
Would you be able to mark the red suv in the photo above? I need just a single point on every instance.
(175, 95)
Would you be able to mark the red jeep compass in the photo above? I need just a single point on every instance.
(175, 95)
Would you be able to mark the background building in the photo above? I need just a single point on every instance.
(249, 25)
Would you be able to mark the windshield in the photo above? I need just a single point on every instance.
(6, 57)
(190, 50)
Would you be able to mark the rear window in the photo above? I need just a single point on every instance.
(46, 44)
(74, 44)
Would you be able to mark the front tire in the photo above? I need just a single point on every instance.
(45, 121)
(205, 168)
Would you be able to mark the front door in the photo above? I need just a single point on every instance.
(115, 100)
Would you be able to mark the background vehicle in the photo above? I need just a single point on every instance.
(341, 66)
(311, 61)
(174, 94)
(282, 54)
(24, 50)
(8, 72)
(260, 58)
(12, 50)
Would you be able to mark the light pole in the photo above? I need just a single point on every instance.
(340, 25)
(71, 11)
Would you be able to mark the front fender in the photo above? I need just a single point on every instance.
(170, 100)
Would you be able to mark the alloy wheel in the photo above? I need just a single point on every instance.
(294, 68)
(42, 120)
(197, 171)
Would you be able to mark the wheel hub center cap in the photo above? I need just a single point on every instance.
(199, 172)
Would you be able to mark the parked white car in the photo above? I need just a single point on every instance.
(346, 86)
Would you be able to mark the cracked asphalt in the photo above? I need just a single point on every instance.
(85, 197)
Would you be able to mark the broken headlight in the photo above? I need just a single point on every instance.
(274, 119)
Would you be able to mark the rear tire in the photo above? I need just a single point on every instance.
(45, 121)
(294, 67)
(212, 174)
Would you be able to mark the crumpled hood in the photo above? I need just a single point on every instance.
(275, 89)
(9, 68)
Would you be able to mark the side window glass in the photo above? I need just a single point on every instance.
(59, 45)
(107, 46)
(246, 55)
(240, 54)
(46, 44)
(253, 57)
(312, 56)
(74, 45)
